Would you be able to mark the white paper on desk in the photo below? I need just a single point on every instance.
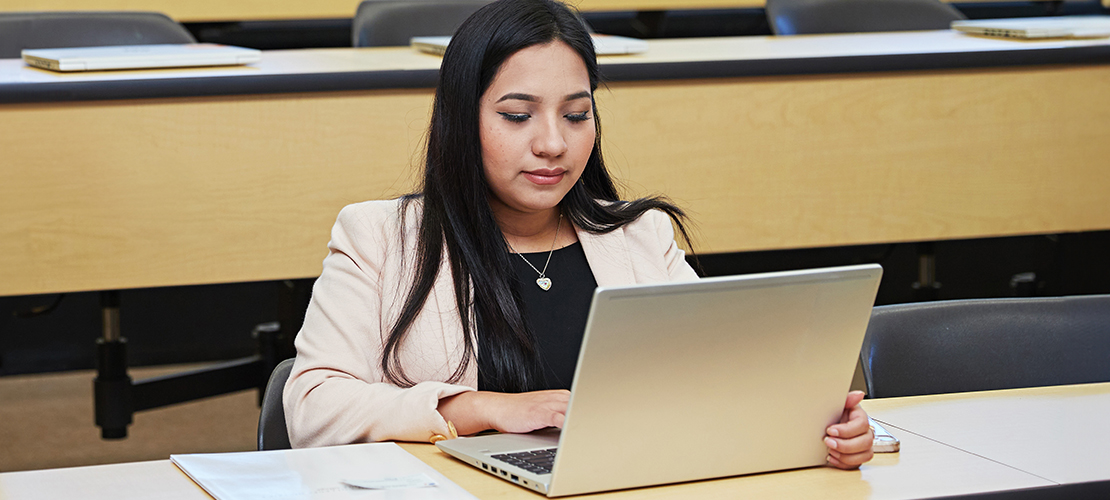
(313, 473)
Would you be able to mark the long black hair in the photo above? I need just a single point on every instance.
(456, 215)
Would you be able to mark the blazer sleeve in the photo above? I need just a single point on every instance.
(336, 392)
(653, 234)
(677, 267)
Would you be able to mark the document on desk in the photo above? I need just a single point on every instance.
(373, 470)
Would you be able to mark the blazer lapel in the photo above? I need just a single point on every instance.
(608, 257)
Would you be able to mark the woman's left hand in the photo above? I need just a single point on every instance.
(850, 440)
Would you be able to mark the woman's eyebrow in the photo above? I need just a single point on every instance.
(531, 98)
(579, 95)
(520, 97)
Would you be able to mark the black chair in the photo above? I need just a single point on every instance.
(46, 30)
(803, 17)
(379, 23)
(272, 433)
(986, 344)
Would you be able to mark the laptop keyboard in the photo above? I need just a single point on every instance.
(535, 461)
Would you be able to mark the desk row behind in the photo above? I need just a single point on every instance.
(243, 10)
(1048, 441)
(181, 190)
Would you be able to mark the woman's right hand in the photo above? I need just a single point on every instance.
(475, 411)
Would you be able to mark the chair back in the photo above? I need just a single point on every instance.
(381, 23)
(47, 30)
(272, 433)
(802, 17)
(986, 344)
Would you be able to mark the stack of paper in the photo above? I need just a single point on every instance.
(375, 470)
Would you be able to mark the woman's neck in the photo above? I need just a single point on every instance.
(535, 232)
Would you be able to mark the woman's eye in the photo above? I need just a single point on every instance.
(579, 117)
(515, 117)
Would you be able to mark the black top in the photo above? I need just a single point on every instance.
(557, 316)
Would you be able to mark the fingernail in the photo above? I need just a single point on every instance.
(833, 431)
(831, 443)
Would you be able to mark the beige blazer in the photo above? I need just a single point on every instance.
(336, 392)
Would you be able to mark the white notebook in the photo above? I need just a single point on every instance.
(1038, 27)
(604, 45)
(140, 56)
(334, 472)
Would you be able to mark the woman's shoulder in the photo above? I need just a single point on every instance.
(649, 220)
(652, 225)
(654, 217)
(377, 224)
(380, 214)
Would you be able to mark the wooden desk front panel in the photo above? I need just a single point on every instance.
(123, 194)
(811, 161)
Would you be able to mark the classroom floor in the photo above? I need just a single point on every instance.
(46, 421)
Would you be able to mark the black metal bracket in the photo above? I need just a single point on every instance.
(926, 288)
(116, 397)
(650, 23)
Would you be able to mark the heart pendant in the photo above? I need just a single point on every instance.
(544, 283)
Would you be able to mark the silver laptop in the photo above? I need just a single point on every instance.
(140, 56)
(685, 381)
(604, 45)
(1038, 27)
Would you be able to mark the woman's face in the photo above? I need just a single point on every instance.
(537, 128)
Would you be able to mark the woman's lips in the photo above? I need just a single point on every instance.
(545, 177)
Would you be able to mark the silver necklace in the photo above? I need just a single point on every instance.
(543, 281)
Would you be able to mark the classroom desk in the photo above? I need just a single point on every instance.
(252, 10)
(984, 450)
(1057, 433)
(118, 180)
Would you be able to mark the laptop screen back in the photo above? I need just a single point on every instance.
(720, 377)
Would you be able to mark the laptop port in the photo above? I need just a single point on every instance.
(514, 477)
(484, 466)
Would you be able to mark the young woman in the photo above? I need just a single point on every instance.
(466, 302)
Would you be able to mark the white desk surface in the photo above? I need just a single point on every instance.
(326, 61)
(239, 10)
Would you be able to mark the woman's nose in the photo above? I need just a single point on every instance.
(549, 140)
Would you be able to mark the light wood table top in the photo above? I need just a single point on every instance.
(927, 469)
(763, 140)
(1057, 433)
(137, 480)
(951, 445)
